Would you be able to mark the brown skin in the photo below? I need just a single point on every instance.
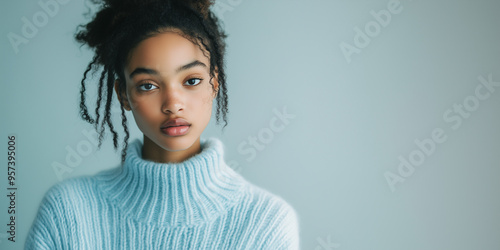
(157, 98)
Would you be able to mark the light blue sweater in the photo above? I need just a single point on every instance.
(200, 203)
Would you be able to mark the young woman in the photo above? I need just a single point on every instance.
(173, 190)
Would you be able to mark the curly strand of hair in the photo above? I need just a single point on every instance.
(223, 100)
(107, 116)
(125, 128)
(99, 94)
(83, 107)
(98, 106)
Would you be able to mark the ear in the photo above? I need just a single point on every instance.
(122, 97)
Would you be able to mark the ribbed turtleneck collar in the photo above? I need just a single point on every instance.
(188, 193)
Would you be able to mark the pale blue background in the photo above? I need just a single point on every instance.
(352, 120)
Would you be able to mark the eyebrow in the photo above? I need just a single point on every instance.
(142, 70)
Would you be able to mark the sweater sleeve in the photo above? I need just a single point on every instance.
(286, 232)
(44, 230)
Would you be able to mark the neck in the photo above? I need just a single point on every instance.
(174, 152)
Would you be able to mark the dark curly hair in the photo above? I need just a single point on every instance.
(120, 25)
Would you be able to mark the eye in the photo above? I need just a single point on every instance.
(146, 87)
(194, 81)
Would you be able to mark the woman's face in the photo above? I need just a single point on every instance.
(167, 77)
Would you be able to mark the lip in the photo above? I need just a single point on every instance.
(175, 122)
(176, 130)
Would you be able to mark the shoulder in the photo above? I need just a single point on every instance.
(70, 186)
(277, 217)
(78, 186)
(55, 213)
(264, 197)
(69, 192)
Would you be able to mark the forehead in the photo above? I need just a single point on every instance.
(164, 52)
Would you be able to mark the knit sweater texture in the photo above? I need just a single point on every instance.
(200, 203)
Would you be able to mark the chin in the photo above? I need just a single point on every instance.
(177, 143)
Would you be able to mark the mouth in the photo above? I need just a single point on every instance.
(175, 127)
(176, 130)
(176, 122)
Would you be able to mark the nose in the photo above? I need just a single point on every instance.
(173, 101)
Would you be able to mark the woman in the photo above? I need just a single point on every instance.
(173, 190)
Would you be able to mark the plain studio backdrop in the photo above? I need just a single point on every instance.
(377, 120)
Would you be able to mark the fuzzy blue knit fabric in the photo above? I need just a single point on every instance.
(200, 203)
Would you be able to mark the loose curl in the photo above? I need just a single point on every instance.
(122, 24)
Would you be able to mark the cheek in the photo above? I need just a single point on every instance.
(143, 104)
(208, 96)
(133, 102)
(143, 112)
(206, 102)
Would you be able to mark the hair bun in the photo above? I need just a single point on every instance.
(112, 12)
(96, 31)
